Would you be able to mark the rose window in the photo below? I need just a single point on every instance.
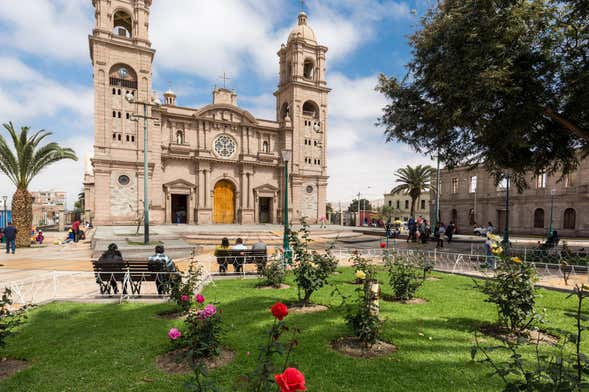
(224, 146)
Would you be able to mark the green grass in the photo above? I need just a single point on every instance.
(96, 347)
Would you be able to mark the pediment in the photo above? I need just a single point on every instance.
(179, 183)
(225, 112)
(266, 188)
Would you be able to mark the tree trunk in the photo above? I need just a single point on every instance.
(413, 207)
(22, 216)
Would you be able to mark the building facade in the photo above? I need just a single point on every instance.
(472, 197)
(48, 206)
(401, 203)
(215, 164)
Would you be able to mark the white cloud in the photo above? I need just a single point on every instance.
(26, 94)
(55, 28)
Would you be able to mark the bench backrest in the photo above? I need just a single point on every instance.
(137, 269)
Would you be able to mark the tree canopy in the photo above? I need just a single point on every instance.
(413, 181)
(364, 205)
(503, 83)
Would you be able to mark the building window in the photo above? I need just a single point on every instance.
(502, 185)
(114, 91)
(398, 204)
(308, 69)
(180, 137)
(119, 137)
(472, 186)
(133, 139)
(569, 219)
(124, 180)
(406, 204)
(114, 136)
(423, 204)
(541, 181)
(127, 116)
(224, 146)
(539, 218)
(114, 114)
(122, 24)
(390, 203)
(309, 189)
(119, 114)
(454, 185)
(265, 147)
(119, 92)
(127, 136)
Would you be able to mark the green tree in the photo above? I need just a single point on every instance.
(499, 83)
(364, 205)
(413, 181)
(21, 164)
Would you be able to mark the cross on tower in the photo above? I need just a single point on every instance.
(225, 79)
(303, 5)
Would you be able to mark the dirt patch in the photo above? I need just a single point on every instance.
(176, 362)
(433, 278)
(281, 287)
(311, 308)
(170, 314)
(412, 301)
(532, 336)
(353, 347)
(9, 367)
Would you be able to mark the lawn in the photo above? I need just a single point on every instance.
(98, 347)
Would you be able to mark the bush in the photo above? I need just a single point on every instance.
(362, 314)
(203, 331)
(184, 287)
(272, 274)
(512, 290)
(9, 320)
(362, 268)
(311, 268)
(404, 277)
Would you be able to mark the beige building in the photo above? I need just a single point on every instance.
(471, 197)
(47, 207)
(214, 164)
(401, 203)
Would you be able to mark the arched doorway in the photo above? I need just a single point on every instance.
(224, 203)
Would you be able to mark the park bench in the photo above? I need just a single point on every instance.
(238, 258)
(131, 272)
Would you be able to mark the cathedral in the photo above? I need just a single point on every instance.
(215, 164)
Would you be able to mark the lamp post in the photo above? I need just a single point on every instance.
(131, 99)
(507, 175)
(4, 214)
(286, 157)
(552, 192)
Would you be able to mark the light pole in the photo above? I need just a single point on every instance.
(4, 215)
(506, 231)
(286, 157)
(552, 192)
(358, 218)
(131, 99)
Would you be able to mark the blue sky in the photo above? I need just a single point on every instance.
(46, 74)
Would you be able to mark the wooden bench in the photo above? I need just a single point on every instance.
(238, 258)
(133, 272)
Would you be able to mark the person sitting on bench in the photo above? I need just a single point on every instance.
(167, 266)
(113, 256)
(237, 262)
(220, 250)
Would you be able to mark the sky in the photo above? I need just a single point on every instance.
(46, 74)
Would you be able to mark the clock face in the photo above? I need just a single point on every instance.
(316, 127)
(123, 73)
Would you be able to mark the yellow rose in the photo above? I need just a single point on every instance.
(563, 262)
(516, 260)
(495, 237)
(497, 251)
(312, 265)
(360, 275)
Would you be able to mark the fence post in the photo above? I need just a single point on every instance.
(525, 255)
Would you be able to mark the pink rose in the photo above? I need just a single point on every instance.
(200, 299)
(207, 312)
(174, 333)
(184, 298)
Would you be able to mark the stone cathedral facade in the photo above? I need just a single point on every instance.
(214, 164)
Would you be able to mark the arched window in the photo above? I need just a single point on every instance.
(308, 69)
(180, 137)
(122, 75)
(311, 109)
(288, 71)
(123, 24)
(570, 217)
(265, 146)
(539, 218)
(454, 215)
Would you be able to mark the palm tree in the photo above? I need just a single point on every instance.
(413, 181)
(21, 164)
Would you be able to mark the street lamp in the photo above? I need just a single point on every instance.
(156, 102)
(286, 157)
(507, 175)
(552, 192)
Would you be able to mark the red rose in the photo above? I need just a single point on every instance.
(383, 245)
(279, 310)
(291, 380)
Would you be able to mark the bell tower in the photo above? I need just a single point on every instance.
(122, 58)
(301, 103)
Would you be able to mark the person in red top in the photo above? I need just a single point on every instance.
(76, 230)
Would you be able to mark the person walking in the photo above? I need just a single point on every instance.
(10, 237)
(450, 230)
(412, 226)
(439, 236)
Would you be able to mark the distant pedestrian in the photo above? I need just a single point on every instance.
(450, 230)
(76, 230)
(424, 231)
(10, 237)
(412, 227)
(490, 228)
(439, 235)
(40, 237)
(489, 258)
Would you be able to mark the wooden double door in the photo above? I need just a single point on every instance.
(224, 203)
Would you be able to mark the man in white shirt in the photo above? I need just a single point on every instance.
(239, 245)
